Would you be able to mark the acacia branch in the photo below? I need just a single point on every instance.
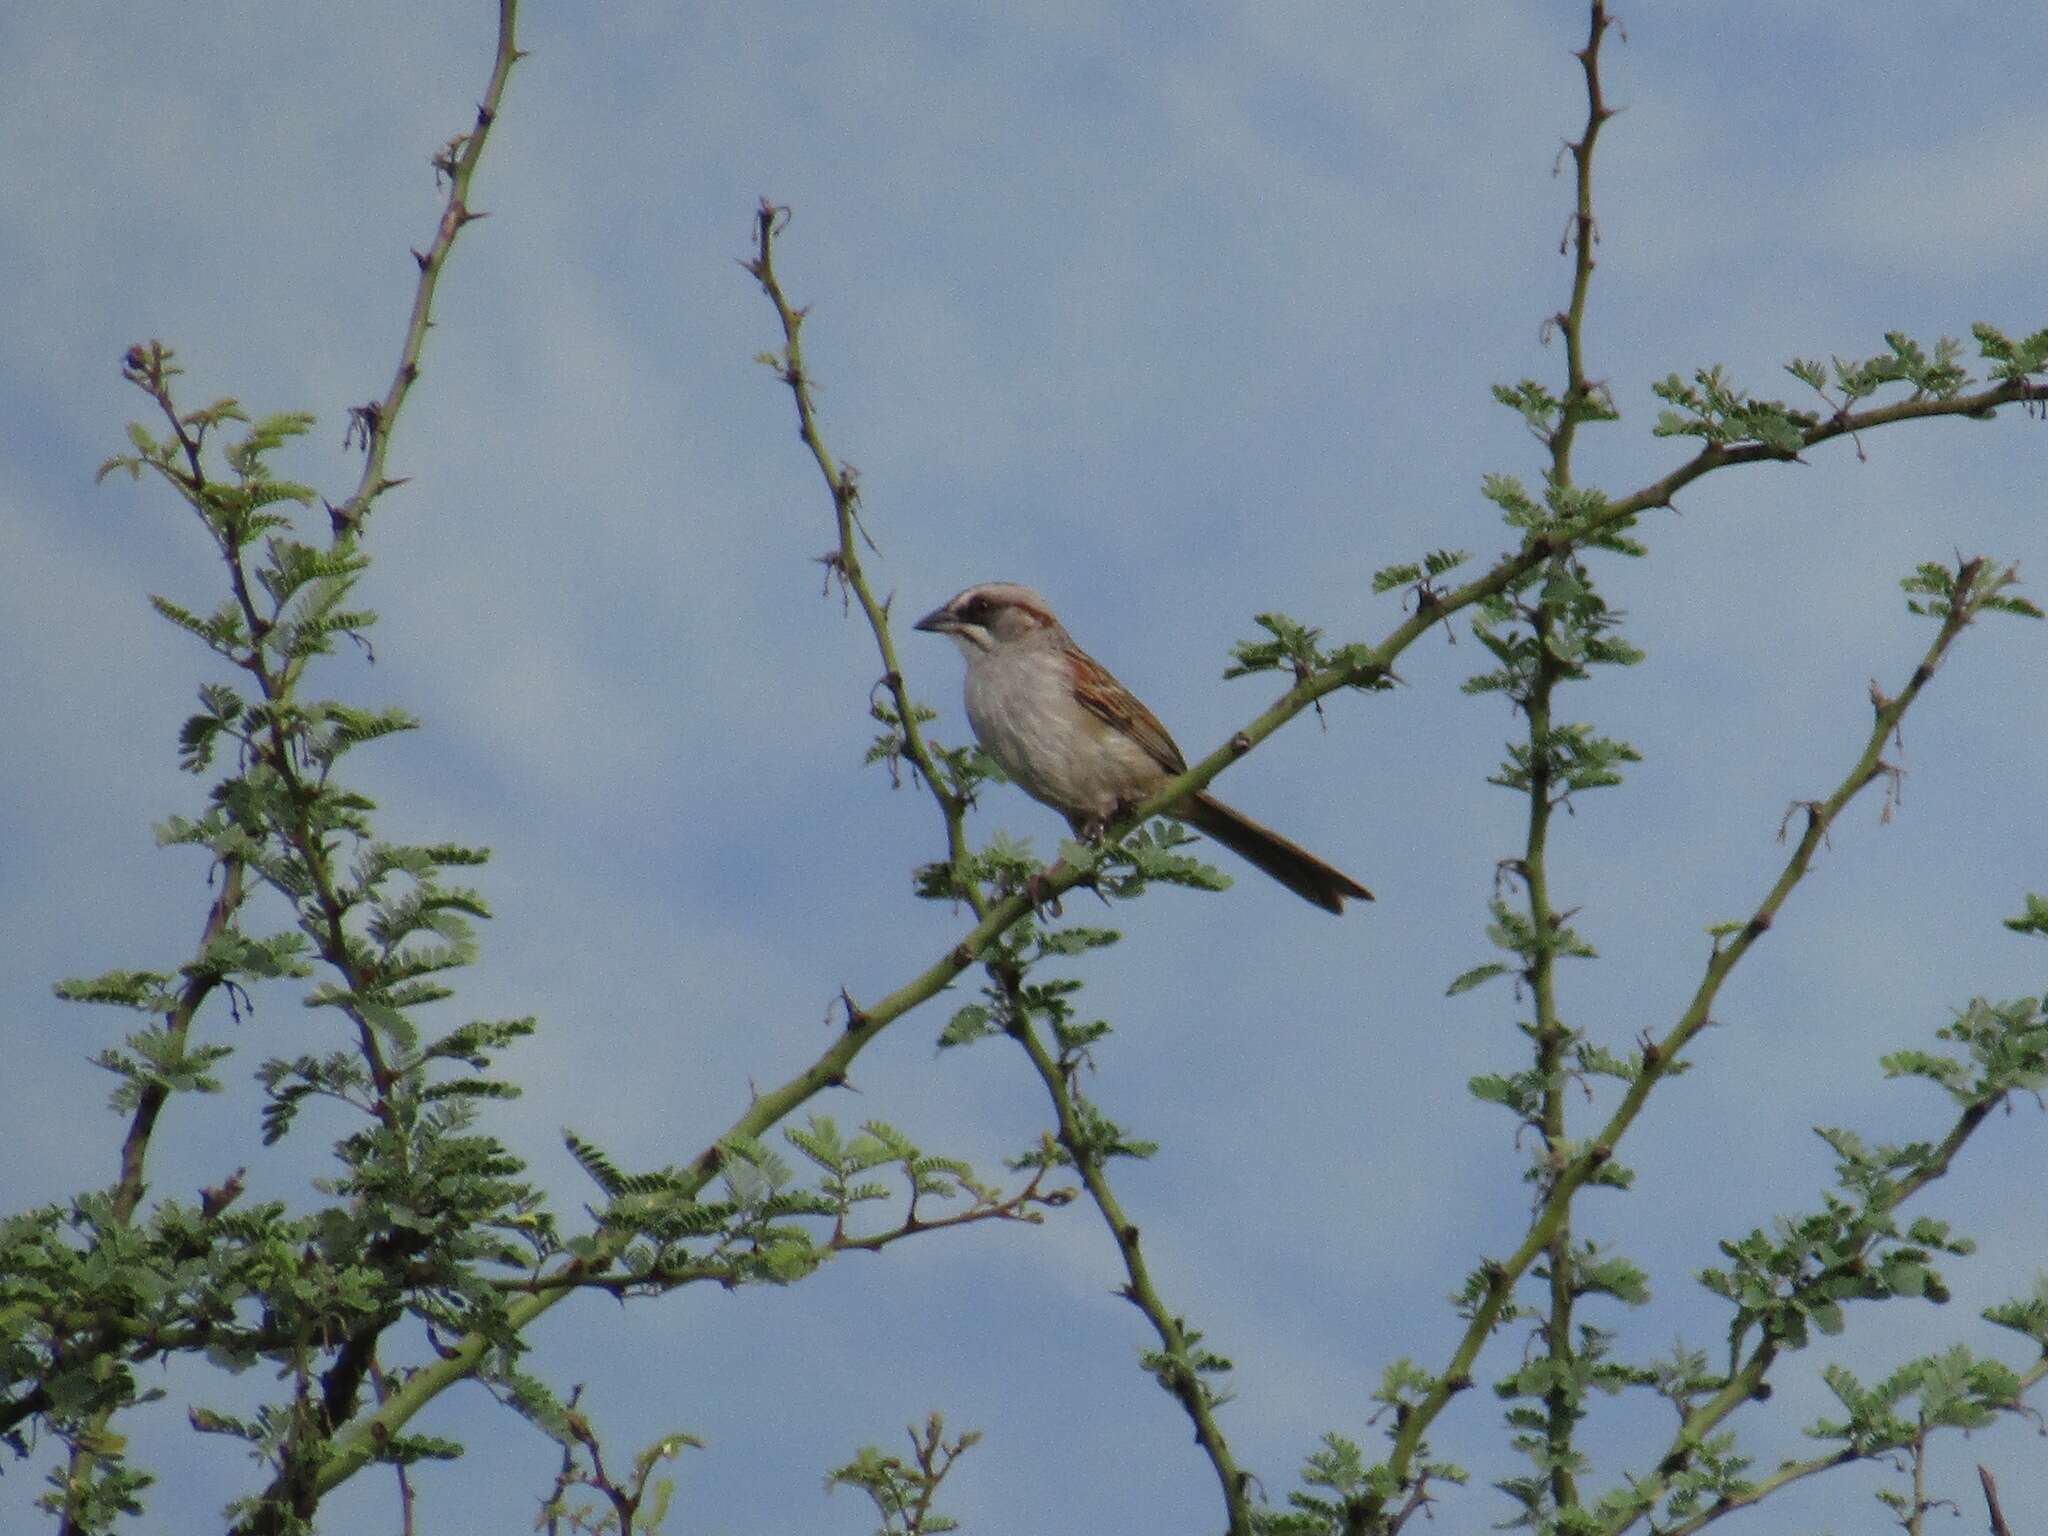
(1022, 1206)
(1366, 667)
(458, 163)
(1578, 404)
(1973, 589)
(1551, 1038)
(149, 369)
(1799, 1471)
(844, 562)
(1745, 1381)
(1180, 1377)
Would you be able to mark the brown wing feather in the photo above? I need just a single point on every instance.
(1119, 707)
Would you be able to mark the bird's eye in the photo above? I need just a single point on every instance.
(975, 609)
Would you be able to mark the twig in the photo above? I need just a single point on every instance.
(1585, 234)
(458, 162)
(1998, 1525)
(1138, 1289)
(1022, 1206)
(845, 562)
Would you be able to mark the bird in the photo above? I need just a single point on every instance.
(1067, 733)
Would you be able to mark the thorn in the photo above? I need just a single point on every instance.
(216, 1198)
(855, 1019)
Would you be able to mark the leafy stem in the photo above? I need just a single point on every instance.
(1851, 1272)
(844, 562)
(1180, 1364)
(1973, 589)
(1580, 402)
(1551, 1040)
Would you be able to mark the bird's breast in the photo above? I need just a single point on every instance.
(1026, 717)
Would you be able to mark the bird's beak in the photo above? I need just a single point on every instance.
(939, 621)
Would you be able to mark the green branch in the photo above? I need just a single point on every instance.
(1975, 588)
(1580, 401)
(844, 561)
(1746, 1381)
(305, 1463)
(1550, 1040)
(1022, 1206)
(1799, 1471)
(457, 163)
(1178, 1373)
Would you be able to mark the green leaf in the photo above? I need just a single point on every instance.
(147, 991)
(1388, 577)
(972, 1022)
(1477, 975)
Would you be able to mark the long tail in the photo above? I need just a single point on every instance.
(1289, 863)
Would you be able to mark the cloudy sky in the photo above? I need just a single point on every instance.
(1179, 314)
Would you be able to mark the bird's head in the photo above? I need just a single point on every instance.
(993, 614)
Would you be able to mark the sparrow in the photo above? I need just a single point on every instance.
(1074, 738)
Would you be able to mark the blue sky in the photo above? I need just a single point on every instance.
(1179, 314)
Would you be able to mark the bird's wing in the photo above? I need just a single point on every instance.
(1138, 722)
